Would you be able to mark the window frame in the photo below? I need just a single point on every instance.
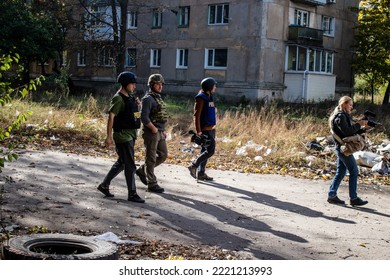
(81, 58)
(129, 57)
(328, 25)
(155, 58)
(106, 57)
(156, 19)
(182, 58)
(132, 20)
(183, 16)
(322, 60)
(218, 14)
(211, 56)
(300, 15)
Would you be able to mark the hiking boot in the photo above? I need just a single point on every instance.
(192, 168)
(358, 202)
(141, 177)
(135, 198)
(204, 177)
(335, 200)
(105, 190)
(156, 189)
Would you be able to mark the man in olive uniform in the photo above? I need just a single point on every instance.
(153, 116)
(124, 120)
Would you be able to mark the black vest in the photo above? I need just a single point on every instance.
(129, 118)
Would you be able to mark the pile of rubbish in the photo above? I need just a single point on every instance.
(376, 157)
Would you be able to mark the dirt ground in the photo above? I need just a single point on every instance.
(258, 216)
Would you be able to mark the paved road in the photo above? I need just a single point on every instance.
(260, 216)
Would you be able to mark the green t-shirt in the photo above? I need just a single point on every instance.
(116, 106)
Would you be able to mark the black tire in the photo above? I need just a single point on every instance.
(59, 247)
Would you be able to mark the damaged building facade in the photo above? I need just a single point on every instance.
(298, 51)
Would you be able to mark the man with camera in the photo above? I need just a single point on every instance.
(204, 122)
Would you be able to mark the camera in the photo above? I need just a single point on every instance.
(201, 140)
(367, 115)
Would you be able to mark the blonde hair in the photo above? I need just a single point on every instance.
(340, 108)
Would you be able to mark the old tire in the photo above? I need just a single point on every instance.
(59, 247)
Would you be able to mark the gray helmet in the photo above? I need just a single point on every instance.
(126, 78)
(155, 78)
(207, 84)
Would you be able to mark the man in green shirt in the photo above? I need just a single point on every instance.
(123, 122)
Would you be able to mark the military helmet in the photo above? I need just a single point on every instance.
(126, 78)
(207, 84)
(154, 79)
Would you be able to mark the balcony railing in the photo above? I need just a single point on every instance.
(305, 35)
(312, 2)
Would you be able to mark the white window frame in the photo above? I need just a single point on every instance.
(302, 18)
(97, 15)
(155, 58)
(156, 18)
(184, 16)
(132, 18)
(106, 57)
(328, 24)
(81, 61)
(182, 58)
(218, 14)
(129, 58)
(322, 60)
(211, 56)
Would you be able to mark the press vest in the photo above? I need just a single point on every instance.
(207, 116)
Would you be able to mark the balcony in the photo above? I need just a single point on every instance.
(312, 2)
(305, 36)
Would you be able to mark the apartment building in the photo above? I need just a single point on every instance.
(298, 50)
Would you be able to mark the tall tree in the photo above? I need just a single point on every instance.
(373, 45)
(32, 29)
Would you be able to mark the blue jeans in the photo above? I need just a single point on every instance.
(345, 163)
(205, 153)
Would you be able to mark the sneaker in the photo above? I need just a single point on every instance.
(204, 177)
(335, 200)
(192, 168)
(105, 190)
(156, 188)
(358, 202)
(135, 198)
(141, 177)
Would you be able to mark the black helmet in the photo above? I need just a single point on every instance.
(126, 78)
(154, 79)
(207, 84)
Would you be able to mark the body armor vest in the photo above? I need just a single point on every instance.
(129, 118)
(159, 113)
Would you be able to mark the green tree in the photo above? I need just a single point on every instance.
(34, 28)
(372, 60)
(8, 64)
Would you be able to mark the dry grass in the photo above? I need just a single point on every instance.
(262, 139)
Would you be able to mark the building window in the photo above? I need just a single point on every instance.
(131, 56)
(97, 16)
(302, 18)
(218, 14)
(132, 20)
(106, 57)
(328, 25)
(155, 58)
(216, 58)
(182, 58)
(314, 60)
(184, 16)
(81, 58)
(157, 19)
